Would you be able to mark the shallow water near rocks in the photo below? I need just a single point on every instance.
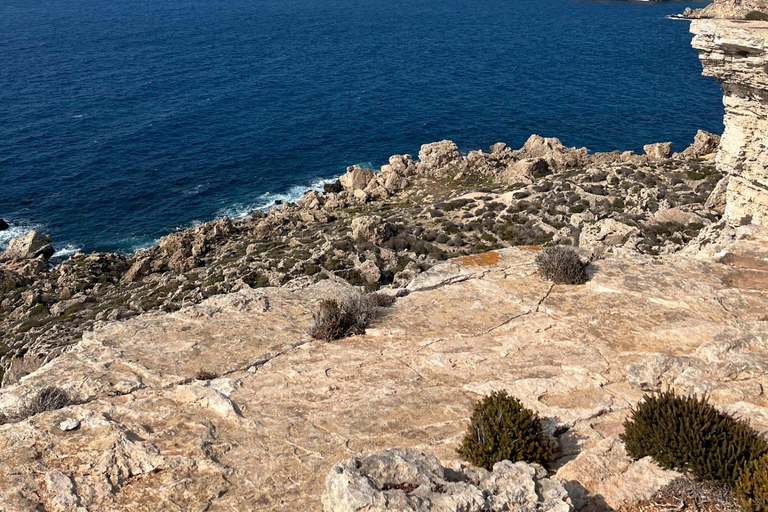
(122, 121)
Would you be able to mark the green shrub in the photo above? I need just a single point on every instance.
(562, 265)
(756, 16)
(752, 486)
(502, 429)
(686, 433)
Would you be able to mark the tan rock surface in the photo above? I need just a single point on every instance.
(283, 409)
(736, 53)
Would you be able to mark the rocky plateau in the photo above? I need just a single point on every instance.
(193, 384)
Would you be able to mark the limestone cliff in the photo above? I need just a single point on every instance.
(736, 54)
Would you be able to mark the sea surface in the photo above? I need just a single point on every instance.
(123, 120)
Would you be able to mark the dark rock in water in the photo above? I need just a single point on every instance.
(29, 246)
(333, 188)
(3, 225)
(278, 202)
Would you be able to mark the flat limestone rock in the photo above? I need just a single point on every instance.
(230, 405)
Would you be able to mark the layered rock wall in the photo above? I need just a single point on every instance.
(736, 54)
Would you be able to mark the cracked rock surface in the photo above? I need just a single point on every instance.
(229, 405)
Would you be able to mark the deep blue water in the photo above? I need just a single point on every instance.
(122, 120)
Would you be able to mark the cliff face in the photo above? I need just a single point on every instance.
(736, 54)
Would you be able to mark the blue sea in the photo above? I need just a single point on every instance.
(123, 120)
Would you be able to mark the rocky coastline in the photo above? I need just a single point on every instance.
(375, 229)
(185, 377)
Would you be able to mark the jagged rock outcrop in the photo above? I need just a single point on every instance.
(736, 54)
(658, 151)
(408, 480)
(727, 9)
(29, 246)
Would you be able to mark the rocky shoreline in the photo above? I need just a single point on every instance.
(377, 230)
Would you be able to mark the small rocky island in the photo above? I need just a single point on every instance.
(190, 376)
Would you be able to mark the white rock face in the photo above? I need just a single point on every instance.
(29, 246)
(440, 159)
(557, 155)
(356, 178)
(736, 54)
(658, 151)
(408, 480)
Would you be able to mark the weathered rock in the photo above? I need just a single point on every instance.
(526, 169)
(333, 188)
(735, 54)
(141, 268)
(356, 178)
(409, 480)
(29, 246)
(373, 229)
(499, 147)
(605, 478)
(727, 9)
(608, 233)
(658, 151)
(286, 409)
(440, 159)
(704, 144)
(719, 196)
(554, 152)
(69, 424)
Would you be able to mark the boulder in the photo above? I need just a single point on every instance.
(356, 178)
(704, 144)
(440, 159)
(557, 155)
(499, 147)
(3, 225)
(401, 164)
(373, 229)
(658, 151)
(406, 480)
(606, 233)
(29, 246)
(333, 188)
(525, 170)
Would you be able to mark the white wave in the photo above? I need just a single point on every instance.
(267, 199)
(65, 251)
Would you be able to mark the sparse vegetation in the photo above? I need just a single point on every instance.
(502, 429)
(756, 16)
(562, 265)
(48, 399)
(752, 486)
(686, 433)
(346, 317)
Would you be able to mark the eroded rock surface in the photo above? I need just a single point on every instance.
(736, 54)
(408, 480)
(229, 405)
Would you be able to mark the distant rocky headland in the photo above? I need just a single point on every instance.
(187, 376)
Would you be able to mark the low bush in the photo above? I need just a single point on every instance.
(756, 16)
(502, 429)
(686, 433)
(752, 486)
(562, 265)
(341, 318)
